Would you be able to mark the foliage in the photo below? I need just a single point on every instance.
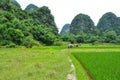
(16, 24)
(42, 16)
(58, 42)
(11, 45)
(69, 38)
(83, 23)
(106, 31)
(107, 22)
(43, 34)
(29, 42)
(110, 37)
(31, 7)
(80, 38)
(15, 3)
(14, 35)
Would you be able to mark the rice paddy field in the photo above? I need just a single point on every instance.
(100, 62)
(92, 62)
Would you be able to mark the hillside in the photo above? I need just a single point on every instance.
(65, 29)
(81, 22)
(15, 3)
(83, 30)
(28, 28)
(31, 7)
(109, 21)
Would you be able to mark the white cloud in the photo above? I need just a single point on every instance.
(65, 10)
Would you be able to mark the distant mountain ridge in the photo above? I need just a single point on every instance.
(81, 22)
(109, 21)
(15, 3)
(65, 29)
(31, 7)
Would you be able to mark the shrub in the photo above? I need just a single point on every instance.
(11, 45)
(29, 42)
(58, 43)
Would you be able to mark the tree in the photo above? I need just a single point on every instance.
(29, 42)
(14, 35)
(80, 38)
(43, 16)
(110, 37)
(43, 34)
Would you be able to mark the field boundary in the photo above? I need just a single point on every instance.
(81, 73)
(85, 69)
(72, 72)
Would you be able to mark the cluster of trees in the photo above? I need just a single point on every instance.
(83, 30)
(107, 37)
(26, 27)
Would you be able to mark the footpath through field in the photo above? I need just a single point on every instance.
(77, 71)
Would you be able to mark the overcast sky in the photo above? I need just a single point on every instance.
(65, 10)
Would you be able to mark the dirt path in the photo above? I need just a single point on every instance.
(72, 73)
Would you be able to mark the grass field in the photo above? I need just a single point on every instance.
(101, 62)
(92, 62)
(46, 63)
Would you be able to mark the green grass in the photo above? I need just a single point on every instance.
(101, 62)
(45, 63)
(100, 65)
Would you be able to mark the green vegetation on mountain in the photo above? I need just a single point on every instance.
(15, 3)
(83, 23)
(82, 30)
(31, 7)
(65, 29)
(109, 21)
(17, 25)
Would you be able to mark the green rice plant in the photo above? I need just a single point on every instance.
(100, 65)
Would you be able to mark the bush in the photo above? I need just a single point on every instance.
(4, 42)
(11, 45)
(29, 42)
(58, 43)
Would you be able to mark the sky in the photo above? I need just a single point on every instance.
(65, 10)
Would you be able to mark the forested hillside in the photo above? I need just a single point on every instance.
(83, 30)
(65, 29)
(81, 23)
(28, 28)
